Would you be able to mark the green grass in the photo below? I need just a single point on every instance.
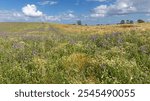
(41, 53)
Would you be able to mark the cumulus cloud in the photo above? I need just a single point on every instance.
(122, 7)
(31, 11)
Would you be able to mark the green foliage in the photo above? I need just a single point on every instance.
(43, 55)
(140, 21)
(79, 22)
(126, 22)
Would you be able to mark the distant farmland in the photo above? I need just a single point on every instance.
(46, 53)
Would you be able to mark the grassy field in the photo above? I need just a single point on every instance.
(70, 54)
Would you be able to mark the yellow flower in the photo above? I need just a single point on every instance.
(76, 60)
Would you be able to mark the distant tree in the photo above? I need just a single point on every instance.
(79, 22)
(131, 21)
(97, 24)
(122, 22)
(140, 21)
(85, 24)
(127, 21)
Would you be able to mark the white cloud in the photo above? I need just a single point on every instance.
(31, 11)
(52, 18)
(64, 16)
(7, 16)
(98, 0)
(100, 11)
(14, 16)
(53, 2)
(71, 15)
(68, 15)
(122, 7)
(48, 2)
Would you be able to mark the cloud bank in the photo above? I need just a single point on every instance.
(121, 7)
(97, 14)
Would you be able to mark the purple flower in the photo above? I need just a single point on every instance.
(72, 42)
(19, 45)
(120, 40)
(94, 37)
(143, 49)
(116, 33)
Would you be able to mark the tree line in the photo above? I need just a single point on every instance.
(79, 22)
(131, 21)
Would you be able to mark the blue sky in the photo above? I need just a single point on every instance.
(69, 11)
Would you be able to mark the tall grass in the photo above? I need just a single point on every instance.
(50, 54)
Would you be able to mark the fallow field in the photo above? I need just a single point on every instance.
(47, 53)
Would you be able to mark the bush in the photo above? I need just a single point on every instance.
(140, 21)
